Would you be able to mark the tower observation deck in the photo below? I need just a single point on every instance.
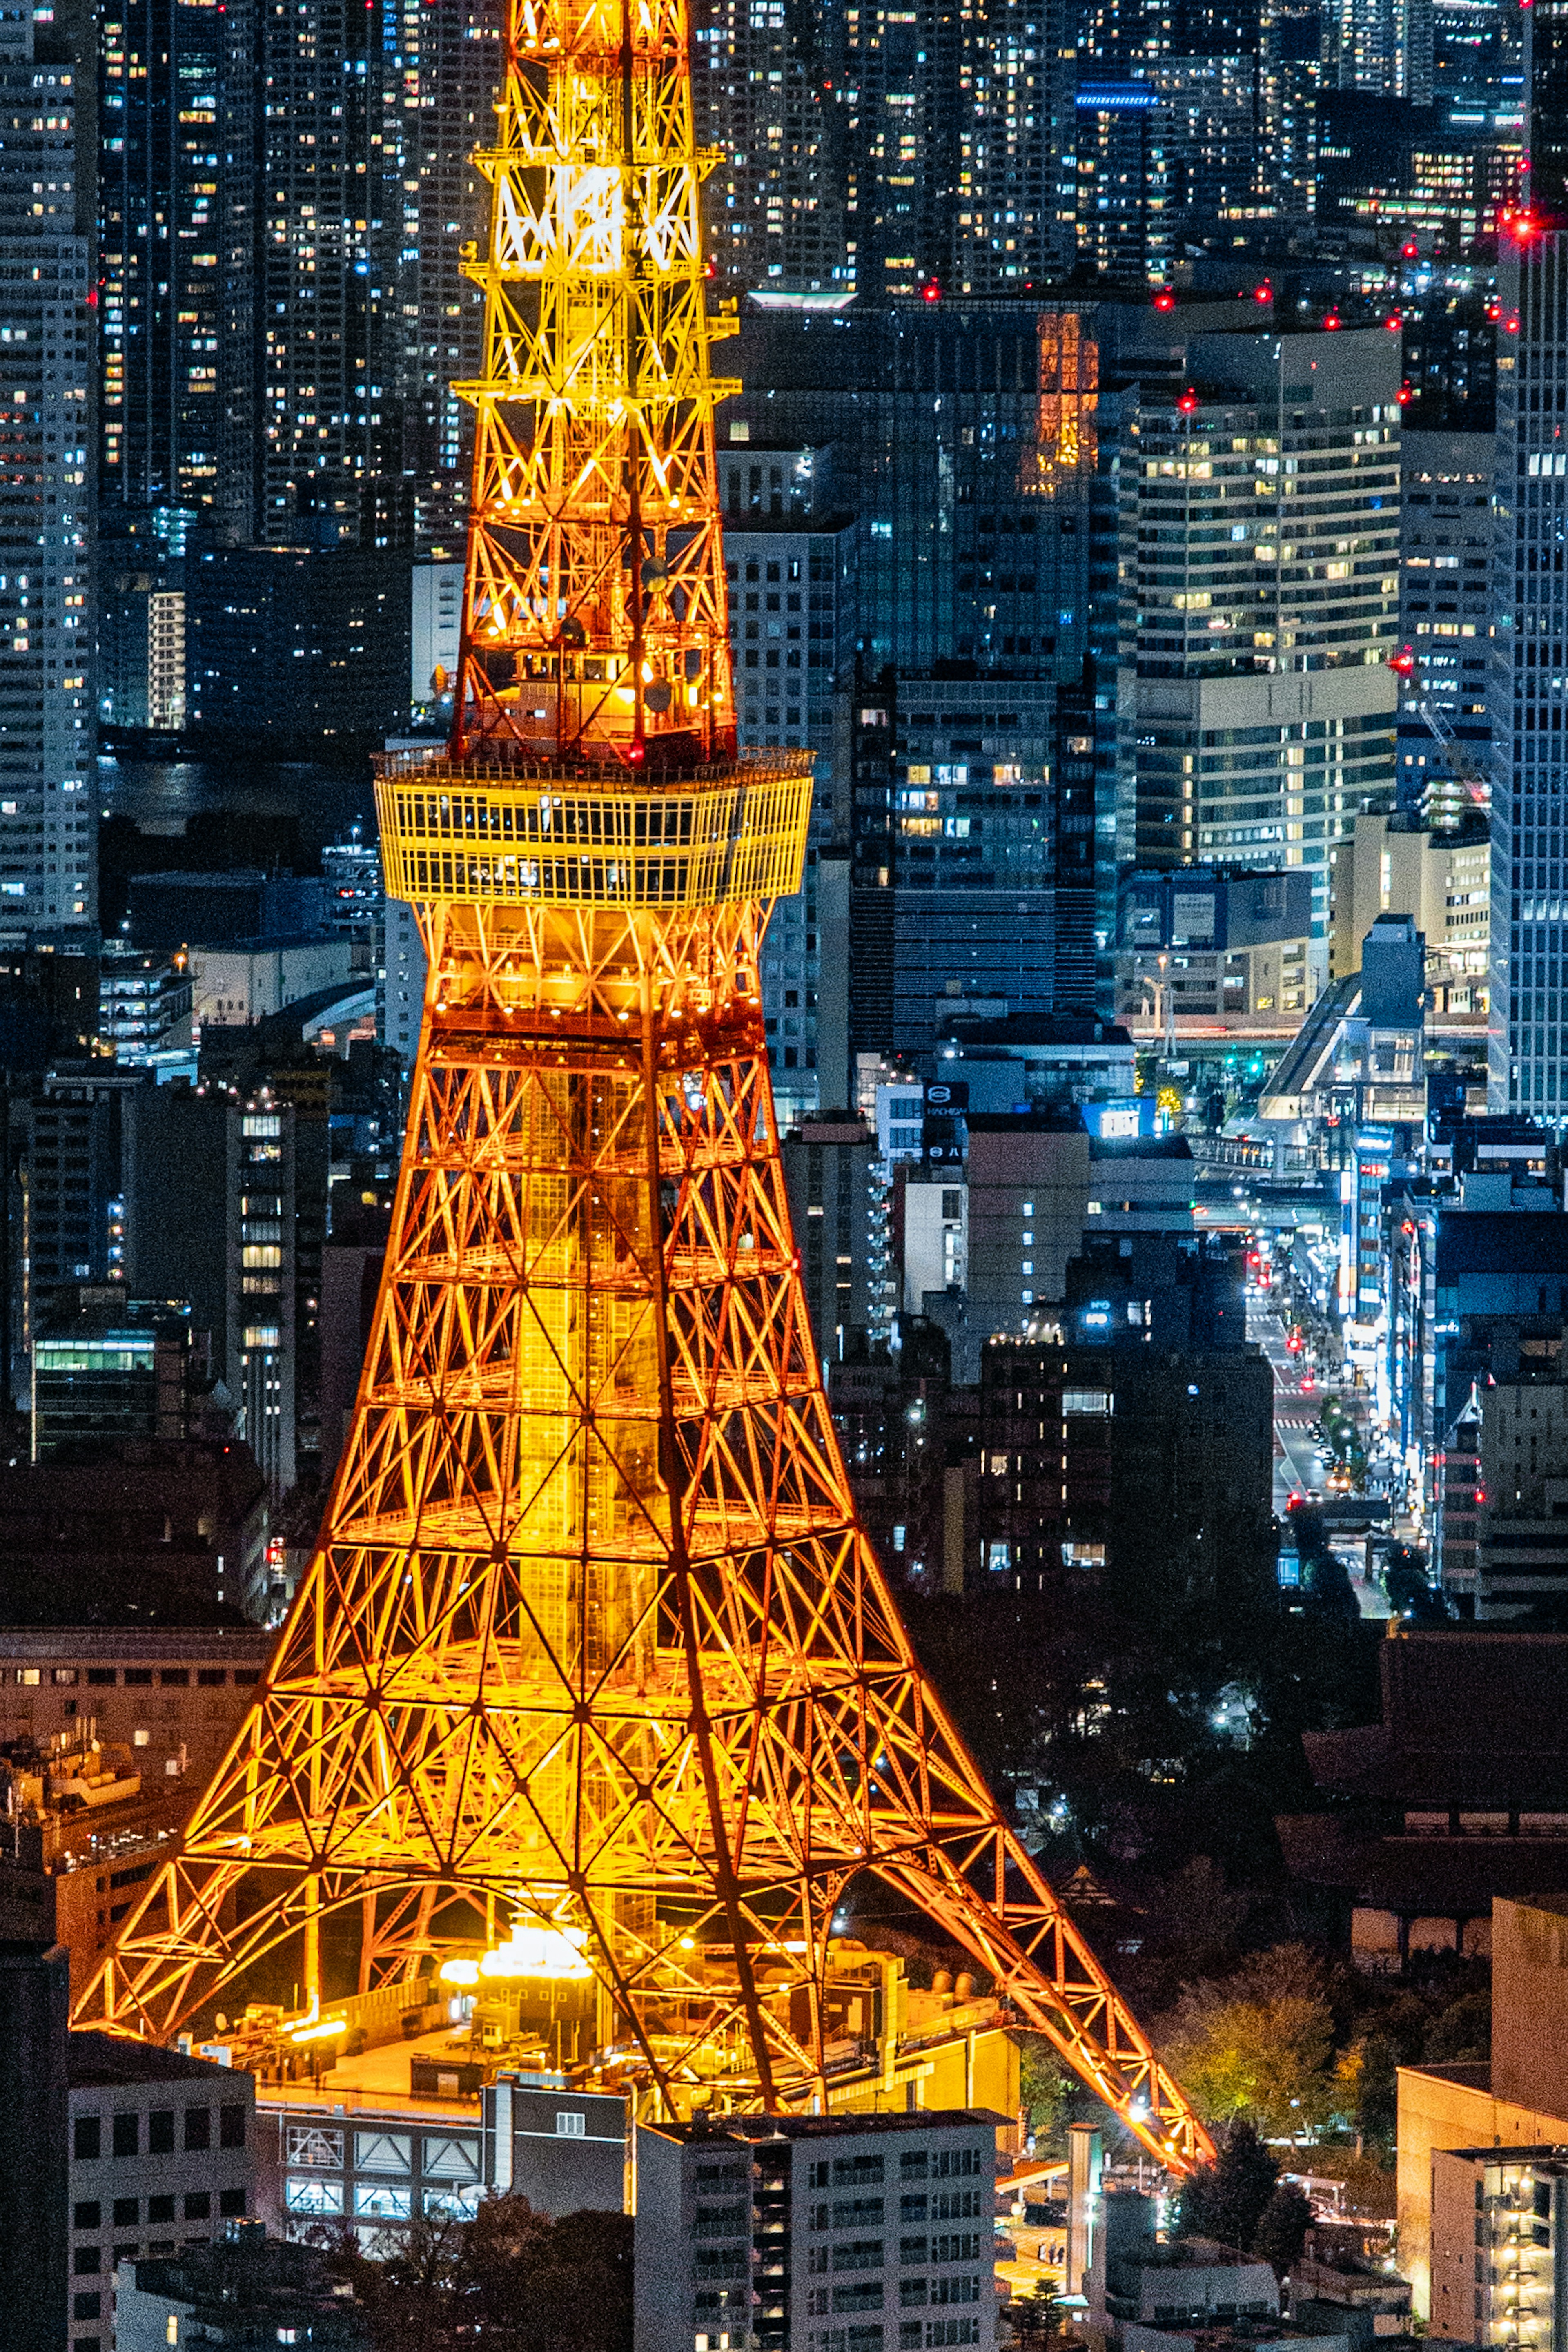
(593, 1665)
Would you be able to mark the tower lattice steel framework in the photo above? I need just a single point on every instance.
(591, 1638)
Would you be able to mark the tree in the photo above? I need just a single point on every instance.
(1461, 2030)
(510, 2276)
(1224, 2201)
(1282, 2227)
(1044, 2086)
(1258, 2045)
(1368, 2087)
(1036, 2319)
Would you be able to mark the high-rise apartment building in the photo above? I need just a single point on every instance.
(284, 198)
(1169, 146)
(770, 93)
(876, 150)
(48, 826)
(1527, 685)
(174, 206)
(436, 109)
(1386, 47)
(1260, 602)
(841, 2233)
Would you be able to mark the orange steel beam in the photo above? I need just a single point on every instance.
(592, 1641)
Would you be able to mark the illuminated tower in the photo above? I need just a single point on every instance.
(593, 1666)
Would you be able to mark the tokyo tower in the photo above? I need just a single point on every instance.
(592, 1656)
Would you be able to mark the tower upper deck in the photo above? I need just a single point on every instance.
(465, 833)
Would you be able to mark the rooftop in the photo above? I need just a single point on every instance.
(763, 2128)
(109, 2062)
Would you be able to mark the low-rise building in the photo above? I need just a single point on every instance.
(107, 1368)
(1140, 2281)
(161, 2156)
(1394, 864)
(1206, 943)
(868, 2231)
(150, 1529)
(245, 2289)
(1455, 1798)
(143, 1002)
(242, 981)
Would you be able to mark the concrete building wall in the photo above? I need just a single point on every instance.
(1530, 2003)
(1028, 1197)
(1447, 2108)
(234, 985)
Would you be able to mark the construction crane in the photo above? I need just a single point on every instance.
(1474, 786)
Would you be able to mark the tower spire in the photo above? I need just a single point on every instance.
(593, 1675)
(594, 621)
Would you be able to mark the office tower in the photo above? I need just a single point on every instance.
(246, 1251)
(1530, 651)
(73, 1181)
(1445, 623)
(48, 826)
(965, 442)
(837, 1207)
(790, 569)
(1133, 1441)
(951, 857)
(591, 1468)
(1260, 521)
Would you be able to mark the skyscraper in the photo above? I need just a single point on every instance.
(1528, 682)
(964, 440)
(47, 824)
(878, 149)
(1261, 599)
(284, 199)
(441, 66)
(173, 197)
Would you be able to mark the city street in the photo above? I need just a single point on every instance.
(1298, 1465)
(1298, 1401)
